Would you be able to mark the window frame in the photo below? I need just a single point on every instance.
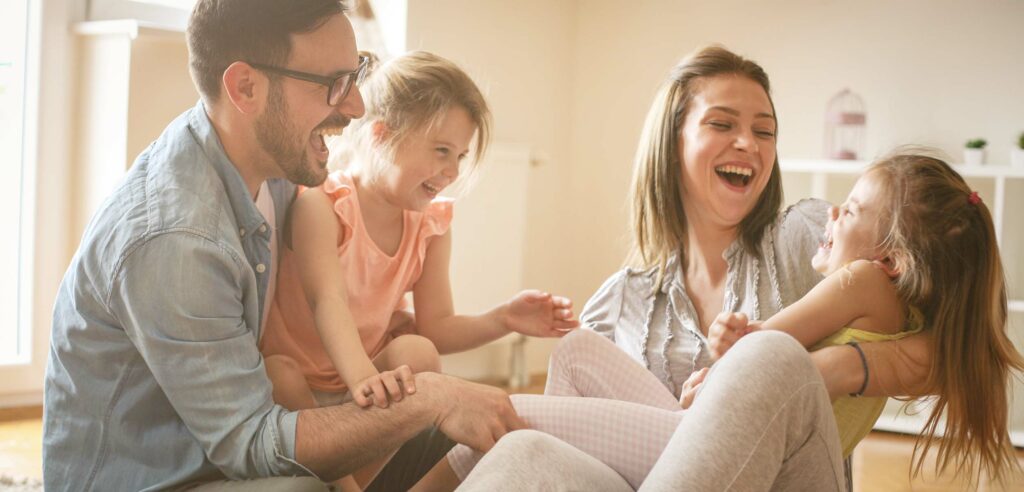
(42, 236)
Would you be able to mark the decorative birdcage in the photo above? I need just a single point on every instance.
(845, 120)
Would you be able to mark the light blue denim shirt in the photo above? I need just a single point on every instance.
(154, 378)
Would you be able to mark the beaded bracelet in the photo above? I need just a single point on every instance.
(864, 362)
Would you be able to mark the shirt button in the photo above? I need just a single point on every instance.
(261, 268)
(241, 231)
(263, 228)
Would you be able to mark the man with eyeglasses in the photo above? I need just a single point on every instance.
(154, 378)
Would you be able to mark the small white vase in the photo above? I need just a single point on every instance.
(974, 157)
(1017, 157)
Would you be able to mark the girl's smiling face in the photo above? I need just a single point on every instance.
(854, 229)
(428, 161)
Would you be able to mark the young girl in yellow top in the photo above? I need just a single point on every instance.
(913, 247)
(378, 230)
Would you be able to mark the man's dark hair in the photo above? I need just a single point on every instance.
(221, 32)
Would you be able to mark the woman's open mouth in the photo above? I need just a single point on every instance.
(737, 176)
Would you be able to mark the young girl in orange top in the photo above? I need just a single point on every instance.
(378, 230)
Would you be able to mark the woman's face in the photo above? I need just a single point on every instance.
(727, 150)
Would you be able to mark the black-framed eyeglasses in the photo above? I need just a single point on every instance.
(338, 86)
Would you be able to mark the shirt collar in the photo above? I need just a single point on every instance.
(674, 266)
(247, 216)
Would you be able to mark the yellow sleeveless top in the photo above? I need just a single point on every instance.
(855, 416)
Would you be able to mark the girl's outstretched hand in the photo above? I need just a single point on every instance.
(539, 314)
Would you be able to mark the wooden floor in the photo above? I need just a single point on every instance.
(21, 442)
(881, 461)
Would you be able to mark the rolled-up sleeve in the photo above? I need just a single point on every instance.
(187, 303)
(602, 312)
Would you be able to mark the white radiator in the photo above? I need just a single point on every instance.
(488, 242)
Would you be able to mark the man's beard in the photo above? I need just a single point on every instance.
(277, 138)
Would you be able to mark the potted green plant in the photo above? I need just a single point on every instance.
(1017, 154)
(974, 152)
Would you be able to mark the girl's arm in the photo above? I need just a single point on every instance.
(860, 295)
(314, 232)
(531, 312)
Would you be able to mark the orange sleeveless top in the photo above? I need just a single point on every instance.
(376, 284)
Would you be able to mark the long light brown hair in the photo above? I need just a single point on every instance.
(659, 221)
(941, 240)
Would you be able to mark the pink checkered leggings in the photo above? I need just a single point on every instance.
(625, 421)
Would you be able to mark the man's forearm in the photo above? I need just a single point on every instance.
(335, 441)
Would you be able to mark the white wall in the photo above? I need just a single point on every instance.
(574, 79)
(933, 73)
(520, 54)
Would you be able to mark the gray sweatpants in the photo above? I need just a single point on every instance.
(762, 421)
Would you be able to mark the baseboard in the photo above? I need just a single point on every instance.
(15, 400)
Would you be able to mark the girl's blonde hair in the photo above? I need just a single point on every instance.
(659, 221)
(411, 93)
(941, 240)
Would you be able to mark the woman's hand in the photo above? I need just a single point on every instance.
(384, 387)
(690, 387)
(538, 314)
(726, 330)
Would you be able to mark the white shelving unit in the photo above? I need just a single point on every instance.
(1002, 188)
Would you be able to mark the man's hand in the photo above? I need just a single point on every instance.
(539, 314)
(472, 414)
(381, 388)
(726, 330)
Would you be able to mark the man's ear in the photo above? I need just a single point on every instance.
(245, 87)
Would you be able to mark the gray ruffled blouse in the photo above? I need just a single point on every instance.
(659, 327)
